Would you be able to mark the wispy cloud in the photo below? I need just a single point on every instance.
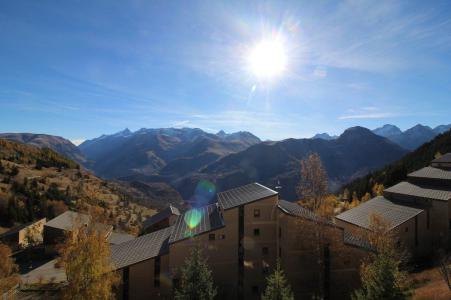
(368, 112)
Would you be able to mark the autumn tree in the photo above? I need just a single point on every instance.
(196, 282)
(313, 186)
(86, 258)
(8, 269)
(313, 190)
(277, 287)
(381, 275)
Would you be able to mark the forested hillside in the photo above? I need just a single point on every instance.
(397, 171)
(37, 183)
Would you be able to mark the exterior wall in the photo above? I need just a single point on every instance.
(258, 264)
(157, 226)
(299, 257)
(36, 230)
(141, 278)
(405, 233)
(18, 239)
(222, 254)
(439, 217)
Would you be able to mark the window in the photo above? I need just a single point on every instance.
(407, 229)
(256, 231)
(221, 237)
(157, 269)
(256, 213)
(280, 252)
(255, 289)
(428, 223)
(265, 269)
(280, 232)
(265, 250)
(211, 236)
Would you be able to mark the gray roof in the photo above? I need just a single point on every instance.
(445, 158)
(161, 215)
(296, 210)
(243, 195)
(356, 241)
(67, 220)
(141, 248)
(432, 173)
(197, 221)
(393, 213)
(407, 188)
(116, 238)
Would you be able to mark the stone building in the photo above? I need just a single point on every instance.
(242, 235)
(19, 237)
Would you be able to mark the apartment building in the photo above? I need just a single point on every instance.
(418, 209)
(242, 235)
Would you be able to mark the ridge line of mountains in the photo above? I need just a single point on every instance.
(183, 158)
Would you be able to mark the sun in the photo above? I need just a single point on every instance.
(267, 59)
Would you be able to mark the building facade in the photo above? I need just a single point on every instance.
(242, 235)
(418, 210)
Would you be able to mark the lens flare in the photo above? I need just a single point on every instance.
(192, 218)
(204, 193)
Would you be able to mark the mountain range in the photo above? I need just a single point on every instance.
(409, 139)
(157, 161)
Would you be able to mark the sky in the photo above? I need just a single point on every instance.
(79, 69)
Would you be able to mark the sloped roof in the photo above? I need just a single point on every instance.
(197, 221)
(68, 219)
(446, 158)
(393, 213)
(243, 195)
(432, 173)
(116, 238)
(407, 188)
(161, 215)
(356, 241)
(296, 210)
(141, 248)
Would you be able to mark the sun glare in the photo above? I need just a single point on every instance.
(267, 59)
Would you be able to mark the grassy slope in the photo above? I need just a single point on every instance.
(41, 183)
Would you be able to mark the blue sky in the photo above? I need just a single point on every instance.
(79, 69)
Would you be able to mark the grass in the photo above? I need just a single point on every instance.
(430, 285)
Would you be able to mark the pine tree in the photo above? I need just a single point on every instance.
(196, 281)
(277, 287)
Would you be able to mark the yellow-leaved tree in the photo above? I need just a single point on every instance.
(85, 256)
(8, 269)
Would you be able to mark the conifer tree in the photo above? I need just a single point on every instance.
(277, 287)
(196, 281)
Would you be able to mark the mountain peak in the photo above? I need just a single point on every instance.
(221, 133)
(324, 136)
(387, 130)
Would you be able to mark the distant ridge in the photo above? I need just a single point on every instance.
(398, 170)
(160, 151)
(409, 139)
